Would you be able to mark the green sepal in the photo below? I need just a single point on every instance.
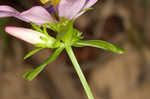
(45, 30)
(49, 42)
(65, 30)
(30, 75)
(36, 27)
(41, 45)
(32, 52)
(77, 35)
(52, 26)
(45, 39)
(100, 44)
(68, 34)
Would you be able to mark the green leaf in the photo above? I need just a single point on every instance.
(30, 75)
(32, 52)
(100, 44)
(27, 73)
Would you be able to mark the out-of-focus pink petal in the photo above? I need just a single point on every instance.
(69, 8)
(6, 11)
(37, 14)
(88, 4)
(25, 34)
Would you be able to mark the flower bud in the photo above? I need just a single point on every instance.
(27, 35)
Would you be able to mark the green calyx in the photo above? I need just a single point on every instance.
(65, 34)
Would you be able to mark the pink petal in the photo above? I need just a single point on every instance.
(6, 11)
(37, 14)
(25, 34)
(88, 4)
(69, 8)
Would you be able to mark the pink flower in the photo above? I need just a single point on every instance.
(69, 9)
(37, 14)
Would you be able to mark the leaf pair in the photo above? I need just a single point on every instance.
(92, 43)
(30, 75)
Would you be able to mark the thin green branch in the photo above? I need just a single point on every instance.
(32, 52)
(79, 72)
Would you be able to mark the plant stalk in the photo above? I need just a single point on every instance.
(79, 72)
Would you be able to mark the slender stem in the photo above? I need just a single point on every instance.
(79, 72)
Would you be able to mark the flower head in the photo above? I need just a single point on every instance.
(69, 9)
(63, 10)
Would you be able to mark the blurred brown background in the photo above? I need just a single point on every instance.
(111, 76)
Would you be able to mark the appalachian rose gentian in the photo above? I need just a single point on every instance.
(58, 17)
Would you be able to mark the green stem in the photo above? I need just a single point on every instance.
(79, 72)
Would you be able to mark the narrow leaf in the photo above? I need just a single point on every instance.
(30, 75)
(33, 73)
(32, 52)
(27, 73)
(100, 44)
